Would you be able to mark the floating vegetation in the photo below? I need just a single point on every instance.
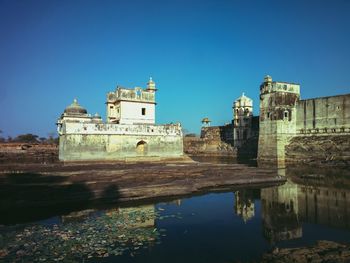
(113, 233)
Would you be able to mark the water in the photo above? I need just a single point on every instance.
(239, 225)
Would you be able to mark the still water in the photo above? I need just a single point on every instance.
(239, 225)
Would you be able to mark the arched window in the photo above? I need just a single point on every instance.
(141, 147)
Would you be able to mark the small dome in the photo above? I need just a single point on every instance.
(75, 109)
(205, 120)
(243, 97)
(97, 116)
(268, 78)
(151, 85)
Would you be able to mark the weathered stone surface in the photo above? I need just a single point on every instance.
(322, 251)
(286, 119)
(214, 141)
(201, 146)
(324, 115)
(319, 149)
(89, 141)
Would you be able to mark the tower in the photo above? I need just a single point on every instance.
(242, 120)
(132, 106)
(151, 86)
(206, 122)
(277, 119)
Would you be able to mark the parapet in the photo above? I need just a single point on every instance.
(269, 86)
(136, 94)
(120, 129)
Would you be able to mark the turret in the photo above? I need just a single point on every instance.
(206, 122)
(242, 120)
(132, 106)
(277, 119)
(151, 85)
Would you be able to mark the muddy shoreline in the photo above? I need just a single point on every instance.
(25, 186)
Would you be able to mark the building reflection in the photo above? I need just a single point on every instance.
(325, 205)
(280, 212)
(286, 207)
(244, 204)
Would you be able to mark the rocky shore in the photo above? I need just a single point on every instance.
(322, 251)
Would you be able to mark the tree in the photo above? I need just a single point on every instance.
(28, 138)
(51, 138)
(1, 138)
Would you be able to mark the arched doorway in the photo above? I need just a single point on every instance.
(141, 148)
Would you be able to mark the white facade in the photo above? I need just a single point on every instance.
(132, 106)
(242, 120)
(130, 131)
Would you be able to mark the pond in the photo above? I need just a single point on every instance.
(239, 225)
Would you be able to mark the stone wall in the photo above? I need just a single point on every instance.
(200, 146)
(319, 149)
(218, 133)
(93, 141)
(75, 147)
(294, 130)
(324, 115)
(216, 140)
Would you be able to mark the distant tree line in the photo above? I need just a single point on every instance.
(30, 138)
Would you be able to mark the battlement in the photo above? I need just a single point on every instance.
(269, 86)
(137, 94)
(120, 129)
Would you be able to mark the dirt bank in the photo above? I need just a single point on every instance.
(39, 185)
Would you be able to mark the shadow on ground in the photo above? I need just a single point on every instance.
(29, 196)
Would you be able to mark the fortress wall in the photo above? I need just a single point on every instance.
(323, 132)
(324, 115)
(216, 140)
(75, 147)
(277, 126)
(89, 141)
(218, 133)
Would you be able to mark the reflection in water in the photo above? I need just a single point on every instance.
(286, 206)
(204, 224)
(83, 235)
(326, 206)
(244, 204)
(280, 212)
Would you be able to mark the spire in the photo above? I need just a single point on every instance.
(267, 79)
(151, 85)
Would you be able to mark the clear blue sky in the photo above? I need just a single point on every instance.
(202, 55)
